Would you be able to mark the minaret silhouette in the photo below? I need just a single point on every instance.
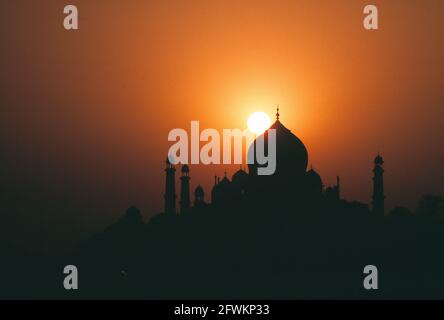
(378, 187)
(338, 187)
(170, 188)
(185, 190)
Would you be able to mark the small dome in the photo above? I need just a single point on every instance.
(239, 176)
(199, 192)
(222, 186)
(185, 169)
(379, 160)
(314, 181)
(222, 192)
(224, 182)
(133, 214)
(313, 174)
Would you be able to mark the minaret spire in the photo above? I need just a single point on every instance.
(170, 188)
(378, 187)
(277, 112)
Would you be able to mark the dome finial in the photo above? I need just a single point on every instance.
(277, 112)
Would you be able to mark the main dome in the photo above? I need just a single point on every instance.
(291, 154)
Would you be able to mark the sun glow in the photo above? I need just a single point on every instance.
(258, 122)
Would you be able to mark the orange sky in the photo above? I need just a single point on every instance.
(84, 115)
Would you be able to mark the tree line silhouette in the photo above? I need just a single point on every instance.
(317, 249)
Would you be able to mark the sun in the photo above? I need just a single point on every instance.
(258, 122)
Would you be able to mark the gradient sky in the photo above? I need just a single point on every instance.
(84, 115)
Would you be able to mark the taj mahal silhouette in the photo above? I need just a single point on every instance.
(291, 185)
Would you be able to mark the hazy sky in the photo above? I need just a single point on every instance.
(84, 115)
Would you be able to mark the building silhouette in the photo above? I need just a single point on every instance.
(290, 185)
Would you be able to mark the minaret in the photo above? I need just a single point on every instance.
(170, 188)
(378, 187)
(185, 190)
(338, 187)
